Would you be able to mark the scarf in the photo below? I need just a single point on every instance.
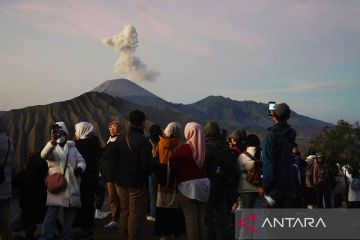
(194, 136)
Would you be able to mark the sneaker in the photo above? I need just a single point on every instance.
(111, 224)
(100, 214)
(150, 218)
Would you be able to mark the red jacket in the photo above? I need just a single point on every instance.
(182, 163)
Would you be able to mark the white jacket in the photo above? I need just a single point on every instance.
(245, 164)
(353, 196)
(56, 158)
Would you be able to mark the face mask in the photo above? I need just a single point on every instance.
(61, 139)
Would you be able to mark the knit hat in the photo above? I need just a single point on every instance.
(282, 111)
(238, 134)
(211, 129)
(62, 127)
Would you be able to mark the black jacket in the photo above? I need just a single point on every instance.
(135, 159)
(110, 161)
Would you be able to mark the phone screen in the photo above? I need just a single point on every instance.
(272, 106)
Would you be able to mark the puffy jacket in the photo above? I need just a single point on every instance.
(70, 197)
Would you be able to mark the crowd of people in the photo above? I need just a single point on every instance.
(189, 180)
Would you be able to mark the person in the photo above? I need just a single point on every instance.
(221, 167)
(169, 218)
(32, 194)
(135, 166)
(57, 152)
(237, 140)
(353, 176)
(155, 132)
(340, 185)
(7, 165)
(248, 192)
(110, 161)
(310, 199)
(189, 166)
(322, 181)
(89, 147)
(280, 176)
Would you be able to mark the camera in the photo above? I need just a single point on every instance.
(271, 108)
(55, 129)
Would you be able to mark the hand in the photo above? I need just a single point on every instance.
(78, 172)
(261, 191)
(53, 138)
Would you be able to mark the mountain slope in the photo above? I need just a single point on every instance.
(229, 113)
(29, 127)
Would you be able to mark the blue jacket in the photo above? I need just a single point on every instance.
(277, 158)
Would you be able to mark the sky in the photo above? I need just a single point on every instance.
(304, 53)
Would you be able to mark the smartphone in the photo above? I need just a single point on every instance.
(271, 108)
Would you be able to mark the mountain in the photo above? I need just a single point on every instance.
(132, 92)
(29, 127)
(229, 113)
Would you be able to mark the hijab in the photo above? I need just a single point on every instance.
(84, 130)
(173, 129)
(194, 136)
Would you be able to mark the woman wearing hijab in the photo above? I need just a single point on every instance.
(89, 147)
(189, 166)
(169, 218)
(109, 165)
(57, 152)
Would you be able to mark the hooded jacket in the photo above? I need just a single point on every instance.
(277, 158)
(56, 158)
(5, 187)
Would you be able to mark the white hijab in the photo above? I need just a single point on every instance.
(84, 130)
(173, 128)
(194, 135)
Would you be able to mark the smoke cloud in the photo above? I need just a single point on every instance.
(125, 43)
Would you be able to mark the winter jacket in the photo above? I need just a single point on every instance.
(277, 157)
(245, 164)
(110, 161)
(90, 150)
(135, 159)
(56, 158)
(353, 195)
(165, 149)
(5, 187)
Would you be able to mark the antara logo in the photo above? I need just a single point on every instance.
(294, 222)
(287, 222)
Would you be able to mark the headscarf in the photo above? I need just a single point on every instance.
(173, 129)
(84, 130)
(113, 139)
(194, 136)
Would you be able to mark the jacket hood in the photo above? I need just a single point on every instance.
(281, 128)
(169, 143)
(3, 122)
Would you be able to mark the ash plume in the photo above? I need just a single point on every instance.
(125, 44)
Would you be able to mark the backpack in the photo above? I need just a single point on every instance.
(223, 169)
(253, 175)
(355, 184)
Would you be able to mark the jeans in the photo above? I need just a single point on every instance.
(194, 213)
(5, 229)
(153, 193)
(114, 201)
(133, 203)
(49, 224)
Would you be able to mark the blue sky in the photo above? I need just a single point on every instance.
(305, 53)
